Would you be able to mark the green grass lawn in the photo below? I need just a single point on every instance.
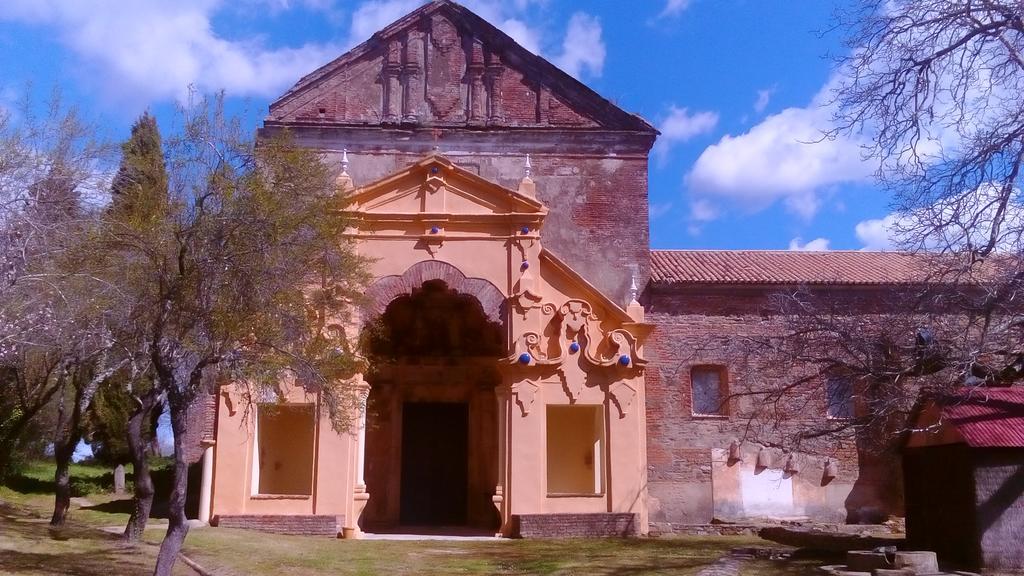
(241, 552)
(28, 546)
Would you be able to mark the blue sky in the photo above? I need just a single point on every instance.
(739, 89)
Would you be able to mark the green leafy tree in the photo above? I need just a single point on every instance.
(244, 275)
(140, 210)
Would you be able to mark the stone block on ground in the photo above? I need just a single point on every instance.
(919, 562)
(828, 541)
(865, 561)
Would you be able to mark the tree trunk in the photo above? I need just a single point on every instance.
(62, 436)
(177, 525)
(137, 448)
(63, 451)
(69, 434)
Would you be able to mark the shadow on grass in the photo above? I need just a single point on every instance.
(32, 546)
(125, 506)
(87, 563)
(80, 486)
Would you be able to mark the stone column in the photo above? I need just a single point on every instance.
(412, 77)
(360, 497)
(492, 76)
(477, 94)
(392, 84)
(502, 394)
(361, 440)
(206, 488)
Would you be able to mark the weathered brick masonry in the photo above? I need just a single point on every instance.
(308, 524)
(574, 525)
(700, 324)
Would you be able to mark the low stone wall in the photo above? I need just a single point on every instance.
(595, 525)
(304, 524)
(668, 529)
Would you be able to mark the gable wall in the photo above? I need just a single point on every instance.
(435, 71)
(445, 79)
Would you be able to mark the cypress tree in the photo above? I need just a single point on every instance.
(139, 191)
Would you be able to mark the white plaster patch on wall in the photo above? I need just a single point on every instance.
(768, 493)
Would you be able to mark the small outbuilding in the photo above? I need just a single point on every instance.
(963, 467)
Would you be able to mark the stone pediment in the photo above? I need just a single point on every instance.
(436, 187)
(442, 65)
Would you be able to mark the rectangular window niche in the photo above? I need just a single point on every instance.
(710, 390)
(575, 450)
(284, 450)
(839, 397)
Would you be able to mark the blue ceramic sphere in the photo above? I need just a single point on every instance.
(434, 170)
(524, 358)
(624, 360)
(434, 230)
(574, 347)
(525, 265)
(525, 229)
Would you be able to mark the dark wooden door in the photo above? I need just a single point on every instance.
(435, 450)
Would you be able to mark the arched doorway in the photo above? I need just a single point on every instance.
(431, 432)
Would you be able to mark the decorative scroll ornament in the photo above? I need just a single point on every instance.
(572, 332)
(527, 348)
(575, 314)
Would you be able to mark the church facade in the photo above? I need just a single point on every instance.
(533, 368)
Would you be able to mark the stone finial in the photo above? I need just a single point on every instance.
(343, 183)
(633, 308)
(526, 185)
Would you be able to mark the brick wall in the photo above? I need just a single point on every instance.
(595, 525)
(307, 524)
(713, 326)
(999, 501)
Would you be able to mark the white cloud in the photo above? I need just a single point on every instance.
(583, 48)
(680, 125)
(674, 7)
(151, 50)
(783, 158)
(156, 49)
(763, 98)
(878, 233)
(703, 211)
(816, 245)
(659, 209)
(968, 219)
(376, 14)
(520, 32)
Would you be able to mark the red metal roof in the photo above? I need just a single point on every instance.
(786, 267)
(987, 417)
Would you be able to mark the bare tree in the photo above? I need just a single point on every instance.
(50, 173)
(934, 90)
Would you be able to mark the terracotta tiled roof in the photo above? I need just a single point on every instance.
(785, 267)
(987, 417)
